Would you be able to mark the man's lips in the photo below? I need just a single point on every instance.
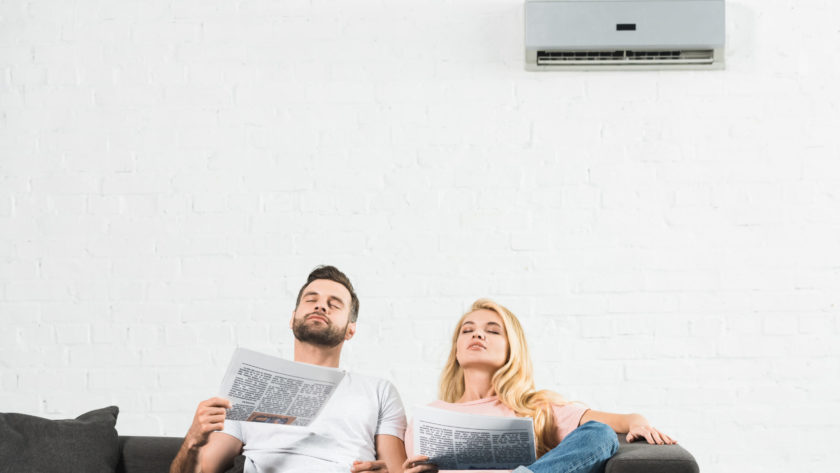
(320, 317)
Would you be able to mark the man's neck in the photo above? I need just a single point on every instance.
(318, 355)
(478, 384)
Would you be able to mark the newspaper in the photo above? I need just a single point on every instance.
(268, 389)
(457, 441)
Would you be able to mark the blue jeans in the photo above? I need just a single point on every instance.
(585, 450)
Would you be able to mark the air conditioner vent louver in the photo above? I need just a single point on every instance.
(624, 57)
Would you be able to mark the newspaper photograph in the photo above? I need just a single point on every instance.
(457, 441)
(268, 389)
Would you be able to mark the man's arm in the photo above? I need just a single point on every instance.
(390, 456)
(391, 450)
(202, 452)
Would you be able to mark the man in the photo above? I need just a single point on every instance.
(363, 421)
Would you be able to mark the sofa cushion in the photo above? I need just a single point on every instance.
(147, 454)
(88, 443)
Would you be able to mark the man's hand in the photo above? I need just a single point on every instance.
(418, 464)
(209, 418)
(378, 466)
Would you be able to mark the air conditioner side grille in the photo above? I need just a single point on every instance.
(624, 57)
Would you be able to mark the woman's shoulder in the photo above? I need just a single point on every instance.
(567, 416)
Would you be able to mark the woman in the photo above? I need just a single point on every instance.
(489, 372)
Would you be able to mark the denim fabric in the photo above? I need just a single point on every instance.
(585, 450)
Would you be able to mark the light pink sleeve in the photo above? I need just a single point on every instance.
(567, 417)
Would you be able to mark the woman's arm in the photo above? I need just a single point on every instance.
(634, 425)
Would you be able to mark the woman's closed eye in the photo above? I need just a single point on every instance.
(494, 332)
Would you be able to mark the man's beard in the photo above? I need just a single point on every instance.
(328, 336)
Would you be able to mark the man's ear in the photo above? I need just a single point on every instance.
(292, 319)
(351, 330)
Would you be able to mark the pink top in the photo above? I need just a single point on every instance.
(566, 417)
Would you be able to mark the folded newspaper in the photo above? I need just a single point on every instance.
(268, 389)
(457, 441)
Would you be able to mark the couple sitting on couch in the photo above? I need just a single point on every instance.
(363, 427)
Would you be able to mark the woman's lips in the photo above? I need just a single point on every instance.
(476, 346)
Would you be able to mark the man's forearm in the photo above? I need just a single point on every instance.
(186, 461)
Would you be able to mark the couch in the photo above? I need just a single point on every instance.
(91, 444)
(154, 454)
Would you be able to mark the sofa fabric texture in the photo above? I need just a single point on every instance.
(88, 443)
(154, 454)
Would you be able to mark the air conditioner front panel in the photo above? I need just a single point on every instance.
(602, 25)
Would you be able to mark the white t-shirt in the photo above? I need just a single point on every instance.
(360, 408)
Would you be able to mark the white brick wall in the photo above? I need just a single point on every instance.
(170, 172)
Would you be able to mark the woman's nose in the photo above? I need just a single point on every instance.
(478, 335)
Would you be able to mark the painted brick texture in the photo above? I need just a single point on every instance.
(171, 171)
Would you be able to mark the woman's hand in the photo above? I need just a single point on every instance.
(641, 429)
(418, 464)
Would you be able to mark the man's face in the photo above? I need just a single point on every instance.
(323, 315)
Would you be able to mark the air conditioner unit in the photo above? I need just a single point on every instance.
(624, 34)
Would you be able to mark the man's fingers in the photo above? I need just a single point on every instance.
(213, 419)
(214, 427)
(360, 466)
(217, 402)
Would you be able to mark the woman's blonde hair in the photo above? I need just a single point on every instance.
(513, 382)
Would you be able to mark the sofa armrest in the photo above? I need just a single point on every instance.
(642, 457)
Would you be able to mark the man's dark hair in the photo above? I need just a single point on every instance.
(332, 273)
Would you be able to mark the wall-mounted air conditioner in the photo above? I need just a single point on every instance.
(624, 34)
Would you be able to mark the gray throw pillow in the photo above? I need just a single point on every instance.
(88, 444)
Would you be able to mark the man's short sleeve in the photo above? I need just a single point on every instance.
(234, 429)
(391, 412)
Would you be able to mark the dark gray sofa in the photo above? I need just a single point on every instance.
(154, 454)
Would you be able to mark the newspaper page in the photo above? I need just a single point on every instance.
(457, 441)
(268, 389)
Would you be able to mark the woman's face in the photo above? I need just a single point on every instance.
(482, 341)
